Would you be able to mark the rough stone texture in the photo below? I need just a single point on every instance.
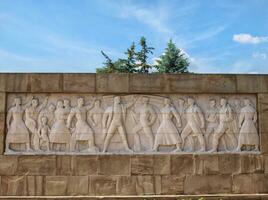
(77, 185)
(15, 82)
(251, 164)
(85, 165)
(162, 164)
(2, 132)
(64, 165)
(172, 185)
(103, 185)
(263, 113)
(8, 165)
(13, 186)
(142, 165)
(247, 83)
(263, 83)
(79, 82)
(206, 164)
(209, 184)
(229, 163)
(36, 165)
(112, 83)
(35, 186)
(46, 83)
(114, 165)
(2, 102)
(182, 164)
(243, 183)
(56, 185)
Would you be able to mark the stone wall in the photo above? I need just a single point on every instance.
(127, 174)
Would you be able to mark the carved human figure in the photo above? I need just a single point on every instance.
(167, 133)
(44, 132)
(147, 118)
(95, 115)
(225, 125)
(31, 117)
(237, 109)
(195, 124)
(48, 113)
(181, 110)
(118, 120)
(67, 107)
(60, 134)
(82, 131)
(212, 119)
(248, 135)
(17, 132)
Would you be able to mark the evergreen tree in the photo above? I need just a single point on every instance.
(109, 66)
(131, 59)
(142, 56)
(172, 61)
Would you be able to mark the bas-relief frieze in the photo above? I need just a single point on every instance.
(100, 124)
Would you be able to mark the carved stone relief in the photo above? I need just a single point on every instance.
(95, 124)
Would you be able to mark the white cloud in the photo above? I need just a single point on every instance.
(259, 55)
(249, 39)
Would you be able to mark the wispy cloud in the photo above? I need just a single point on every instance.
(259, 55)
(249, 39)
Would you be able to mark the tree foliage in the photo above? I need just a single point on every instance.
(142, 56)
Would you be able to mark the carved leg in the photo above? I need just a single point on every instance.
(184, 134)
(202, 142)
(148, 132)
(122, 133)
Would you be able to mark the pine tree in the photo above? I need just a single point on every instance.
(109, 66)
(142, 56)
(172, 61)
(131, 59)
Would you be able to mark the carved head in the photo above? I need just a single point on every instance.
(181, 102)
(44, 120)
(60, 104)
(17, 101)
(167, 101)
(223, 101)
(34, 103)
(97, 103)
(117, 100)
(212, 103)
(247, 102)
(66, 103)
(145, 100)
(190, 101)
(237, 102)
(51, 108)
(80, 102)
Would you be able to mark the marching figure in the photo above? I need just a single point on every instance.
(248, 135)
(195, 124)
(167, 133)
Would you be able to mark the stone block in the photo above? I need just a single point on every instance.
(146, 185)
(149, 83)
(229, 163)
(260, 183)
(15, 82)
(207, 184)
(85, 165)
(56, 185)
(2, 132)
(247, 83)
(13, 186)
(250, 163)
(206, 164)
(2, 102)
(77, 185)
(127, 185)
(265, 163)
(37, 165)
(103, 185)
(192, 83)
(46, 82)
(264, 143)
(8, 165)
(171, 185)
(114, 165)
(182, 164)
(64, 165)
(263, 113)
(243, 184)
(142, 164)
(35, 185)
(79, 82)
(263, 83)
(112, 83)
(162, 164)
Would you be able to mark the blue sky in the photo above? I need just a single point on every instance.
(218, 36)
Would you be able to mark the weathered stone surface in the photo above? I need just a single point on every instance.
(264, 143)
(263, 113)
(2, 132)
(46, 83)
(206, 164)
(15, 82)
(2, 102)
(35, 185)
(149, 83)
(260, 182)
(114, 165)
(247, 83)
(172, 185)
(263, 83)
(37, 165)
(8, 165)
(103, 185)
(77, 185)
(207, 184)
(85, 165)
(251, 164)
(56, 185)
(13, 186)
(79, 82)
(64, 165)
(108, 83)
(162, 164)
(182, 164)
(143, 164)
(190, 83)
(243, 184)
(229, 163)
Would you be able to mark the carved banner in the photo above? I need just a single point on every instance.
(96, 124)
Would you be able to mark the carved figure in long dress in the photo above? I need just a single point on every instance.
(237, 109)
(17, 131)
(60, 134)
(248, 135)
(118, 123)
(31, 117)
(48, 113)
(147, 118)
(225, 126)
(195, 124)
(167, 133)
(44, 132)
(82, 131)
(212, 118)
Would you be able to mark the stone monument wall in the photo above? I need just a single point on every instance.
(133, 134)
